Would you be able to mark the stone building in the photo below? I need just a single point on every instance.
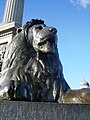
(84, 84)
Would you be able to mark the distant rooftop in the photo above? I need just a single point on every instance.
(84, 84)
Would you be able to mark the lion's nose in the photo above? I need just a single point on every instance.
(51, 29)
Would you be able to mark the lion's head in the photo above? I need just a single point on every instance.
(43, 38)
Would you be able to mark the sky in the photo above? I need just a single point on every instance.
(71, 18)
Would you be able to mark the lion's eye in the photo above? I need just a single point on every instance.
(39, 27)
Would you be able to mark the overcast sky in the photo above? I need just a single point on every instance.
(72, 20)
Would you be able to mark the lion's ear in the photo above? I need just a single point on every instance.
(19, 30)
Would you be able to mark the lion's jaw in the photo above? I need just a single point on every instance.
(45, 39)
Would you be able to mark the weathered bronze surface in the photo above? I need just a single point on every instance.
(77, 96)
(32, 69)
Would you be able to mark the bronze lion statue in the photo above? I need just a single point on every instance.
(31, 68)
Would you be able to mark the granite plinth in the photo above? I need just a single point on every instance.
(19, 110)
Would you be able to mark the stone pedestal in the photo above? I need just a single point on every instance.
(12, 20)
(19, 110)
(7, 31)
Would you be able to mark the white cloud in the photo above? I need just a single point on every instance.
(83, 3)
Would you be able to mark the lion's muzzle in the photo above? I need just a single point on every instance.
(45, 39)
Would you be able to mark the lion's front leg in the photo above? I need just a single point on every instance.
(14, 90)
(22, 91)
(7, 90)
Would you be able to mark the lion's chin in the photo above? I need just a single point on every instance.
(47, 48)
